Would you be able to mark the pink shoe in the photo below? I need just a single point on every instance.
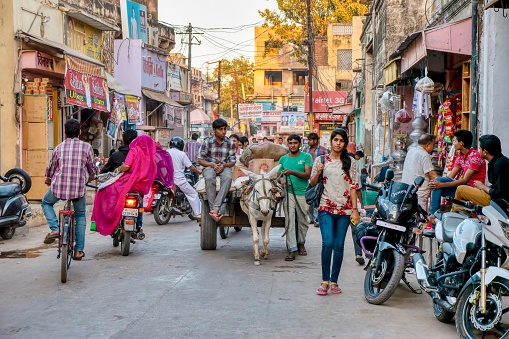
(321, 290)
(334, 288)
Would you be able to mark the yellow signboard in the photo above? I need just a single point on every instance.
(83, 38)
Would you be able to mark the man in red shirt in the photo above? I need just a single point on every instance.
(469, 167)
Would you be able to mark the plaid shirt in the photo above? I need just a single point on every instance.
(218, 153)
(192, 149)
(320, 150)
(71, 163)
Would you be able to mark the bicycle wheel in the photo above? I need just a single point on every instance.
(64, 262)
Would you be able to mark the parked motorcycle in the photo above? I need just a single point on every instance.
(398, 215)
(170, 202)
(14, 208)
(482, 306)
(458, 240)
(126, 231)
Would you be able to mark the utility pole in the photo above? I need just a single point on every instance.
(219, 88)
(310, 59)
(189, 43)
(236, 89)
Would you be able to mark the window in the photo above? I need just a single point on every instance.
(344, 59)
(344, 85)
(299, 77)
(341, 29)
(272, 48)
(273, 78)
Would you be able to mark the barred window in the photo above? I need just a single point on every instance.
(341, 29)
(344, 59)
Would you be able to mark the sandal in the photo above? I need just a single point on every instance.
(78, 255)
(302, 251)
(50, 237)
(321, 290)
(290, 257)
(334, 288)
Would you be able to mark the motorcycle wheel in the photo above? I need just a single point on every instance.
(162, 210)
(442, 315)
(126, 243)
(379, 286)
(7, 232)
(21, 177)
(471, 323)
(223, 232)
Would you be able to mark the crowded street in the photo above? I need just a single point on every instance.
(169, 288)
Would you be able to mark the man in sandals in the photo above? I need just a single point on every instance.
(296, 168)
(217, 156)
(71, 166)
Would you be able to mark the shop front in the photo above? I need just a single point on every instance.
(269, 122)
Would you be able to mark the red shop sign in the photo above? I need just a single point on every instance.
(99, 91)
(323, 101)
(77, 89)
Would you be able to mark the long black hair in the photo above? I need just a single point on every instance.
(345, 158)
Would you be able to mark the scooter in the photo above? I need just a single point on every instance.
(14, 208)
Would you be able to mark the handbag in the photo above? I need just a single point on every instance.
(314, 193)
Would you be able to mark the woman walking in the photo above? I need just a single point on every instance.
(337, 206)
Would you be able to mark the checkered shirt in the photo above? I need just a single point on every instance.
(218, 153)
(71, 164)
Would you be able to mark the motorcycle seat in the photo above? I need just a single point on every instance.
(8, 189)
(450, 221)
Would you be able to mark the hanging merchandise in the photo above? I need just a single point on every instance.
(446, 127)
(402, 115)
(425, 85)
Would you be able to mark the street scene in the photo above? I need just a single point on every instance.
(262, 168)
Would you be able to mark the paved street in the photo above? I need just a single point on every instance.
(169, 288)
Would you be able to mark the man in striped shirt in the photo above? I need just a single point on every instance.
(192, 148)
(70, 168)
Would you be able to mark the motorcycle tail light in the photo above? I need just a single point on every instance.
(131, 202)
(141, 210)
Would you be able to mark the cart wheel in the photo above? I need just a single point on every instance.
(223, 232)
(208, 229)
(237, 229)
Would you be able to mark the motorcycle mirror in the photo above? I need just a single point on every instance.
(418, 181)
(389, 175)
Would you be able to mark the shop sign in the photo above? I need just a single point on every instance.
(153, 71)
(99, 91)
(270, 117)
(83, 38)
(132, 108)
(42, 61)
(391, 73)
(181, 97)
(328, 117)
(169, 114)
(178, 112)
(174, 77)
(328, 127)
(292, 122)
(136, 21)
(77, 89)
(250, 111)
(111, 129)
(118, 110)
(323, 101)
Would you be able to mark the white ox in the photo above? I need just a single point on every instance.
(259, 203)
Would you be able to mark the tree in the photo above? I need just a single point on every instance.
(234, 74)
(289, 20)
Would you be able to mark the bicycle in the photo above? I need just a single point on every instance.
(66, 226)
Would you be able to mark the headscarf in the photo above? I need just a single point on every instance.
(109, 202)
(164, 166)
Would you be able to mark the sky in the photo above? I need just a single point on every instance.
(233, 19)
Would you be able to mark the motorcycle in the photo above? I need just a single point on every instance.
(481, 309)
(397, 217)
(14, 207)
(170, 202)
(126, 231)
(457, 237)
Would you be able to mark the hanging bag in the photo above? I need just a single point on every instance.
(314, 193)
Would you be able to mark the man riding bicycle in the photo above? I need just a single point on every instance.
(71, 166)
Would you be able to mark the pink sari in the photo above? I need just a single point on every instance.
(164, 166)
(109, 202)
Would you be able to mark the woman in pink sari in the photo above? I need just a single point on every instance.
(140, 171)
(164, 166)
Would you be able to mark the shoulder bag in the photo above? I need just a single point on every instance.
(314, 193)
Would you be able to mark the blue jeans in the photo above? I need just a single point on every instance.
(80, 206)
(333, 228)
(437, 194)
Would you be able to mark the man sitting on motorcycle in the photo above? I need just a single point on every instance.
(118, 158)
(71, 165)
(217, 156)
(180, 163)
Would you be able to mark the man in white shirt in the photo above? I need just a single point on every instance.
(180, 163)
(418, 163)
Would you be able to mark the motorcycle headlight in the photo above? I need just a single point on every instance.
(505, 228)
(393, 212)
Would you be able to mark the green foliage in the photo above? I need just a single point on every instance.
(234, 73)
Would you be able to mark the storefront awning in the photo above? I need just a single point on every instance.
(116, 86)
(92, 20)
(64, 49)
(161, 97)
(199, 117)
(453, 38)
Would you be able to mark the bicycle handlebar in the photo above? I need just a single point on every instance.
(92, 186)
(373, 187)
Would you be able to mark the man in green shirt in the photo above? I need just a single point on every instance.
(296, 168)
